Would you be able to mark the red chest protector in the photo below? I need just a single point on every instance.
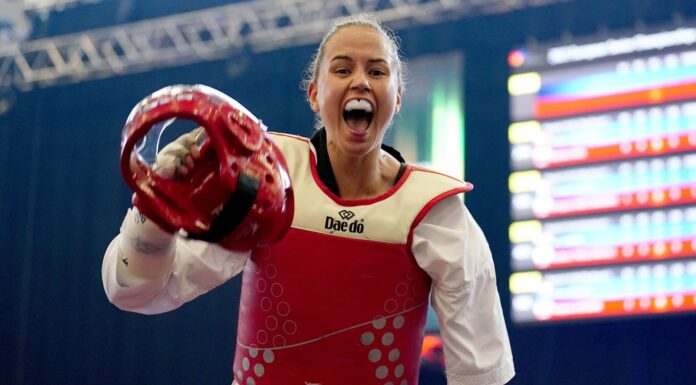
(332, 310)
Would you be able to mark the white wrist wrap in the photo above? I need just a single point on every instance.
(145, 250)
(141, 237)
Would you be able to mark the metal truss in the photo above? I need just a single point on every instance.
(213, 33)
(54, 5)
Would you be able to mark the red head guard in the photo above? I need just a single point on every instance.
(238, 194)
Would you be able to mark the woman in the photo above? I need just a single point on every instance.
(342, 299)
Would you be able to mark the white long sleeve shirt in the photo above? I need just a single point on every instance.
(448, 244)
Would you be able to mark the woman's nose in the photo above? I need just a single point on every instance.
(361, 81)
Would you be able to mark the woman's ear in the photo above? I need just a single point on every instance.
(312, 96)
(397, 108)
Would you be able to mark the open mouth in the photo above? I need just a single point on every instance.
(357, 114)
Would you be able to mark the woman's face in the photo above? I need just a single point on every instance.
(356, 91)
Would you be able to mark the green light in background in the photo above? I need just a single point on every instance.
(447, 129)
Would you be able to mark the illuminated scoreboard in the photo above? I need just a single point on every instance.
(603, 180)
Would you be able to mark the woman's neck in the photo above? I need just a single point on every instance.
(363, 177)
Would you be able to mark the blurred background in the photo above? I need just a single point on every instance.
(574, 119)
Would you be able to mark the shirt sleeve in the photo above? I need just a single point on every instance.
(450, 246)
(198, 268)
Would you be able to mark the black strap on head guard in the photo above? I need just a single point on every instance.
(233, 212)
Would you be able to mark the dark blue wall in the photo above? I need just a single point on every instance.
(62, 200)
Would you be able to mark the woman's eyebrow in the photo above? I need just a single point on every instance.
(350, 59)
(341, 57)
(379, 60)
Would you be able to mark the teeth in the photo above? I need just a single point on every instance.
(359, 104)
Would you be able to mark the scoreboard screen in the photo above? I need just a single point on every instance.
(603, 177)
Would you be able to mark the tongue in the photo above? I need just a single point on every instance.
(357, 123)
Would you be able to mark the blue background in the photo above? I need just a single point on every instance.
(62, 200)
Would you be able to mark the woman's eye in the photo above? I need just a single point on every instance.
(377, 72)
(342, 71)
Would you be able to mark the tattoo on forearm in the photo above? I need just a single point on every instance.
(140, 218)
(145, 247)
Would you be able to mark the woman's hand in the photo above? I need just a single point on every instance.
(177, 159)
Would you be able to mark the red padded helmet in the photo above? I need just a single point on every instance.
(238, 194)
